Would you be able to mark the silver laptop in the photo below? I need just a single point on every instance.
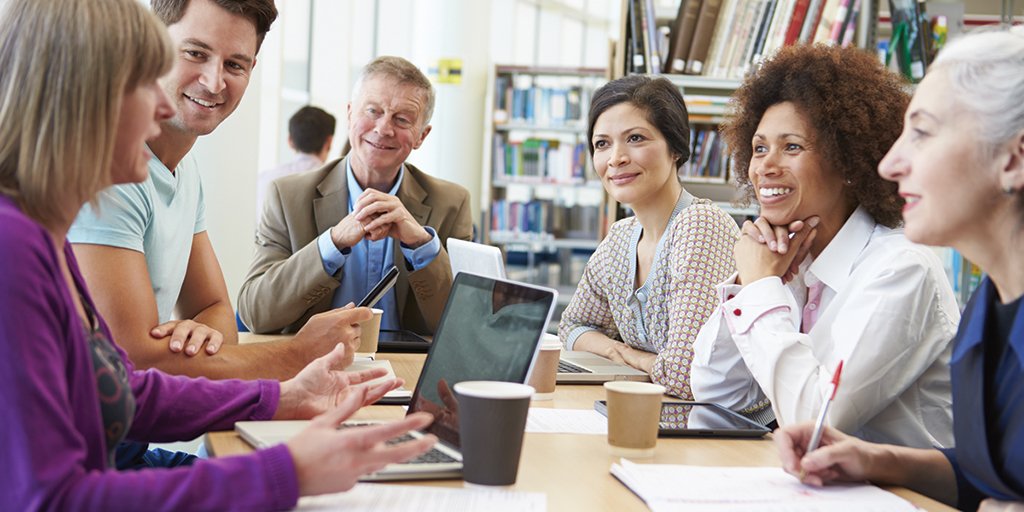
(479, 259)
(574, 367)
(489, 330)
(578, 367)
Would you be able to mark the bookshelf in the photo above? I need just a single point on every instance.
(706, 47)
(541, 194)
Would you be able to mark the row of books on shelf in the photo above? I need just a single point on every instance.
(539, 100)
(725, 38)
(544, 217)
(709, 159)
(539, 159)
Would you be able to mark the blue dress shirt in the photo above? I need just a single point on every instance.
(366, 262)
(989, 455)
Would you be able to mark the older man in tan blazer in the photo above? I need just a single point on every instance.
(325, 237)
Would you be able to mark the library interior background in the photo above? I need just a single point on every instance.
(513, 80)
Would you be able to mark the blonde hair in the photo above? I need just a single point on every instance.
(66, 68)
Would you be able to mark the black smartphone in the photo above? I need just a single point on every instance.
(379, 289)
(684, 419)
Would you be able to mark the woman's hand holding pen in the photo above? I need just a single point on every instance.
(839, 457)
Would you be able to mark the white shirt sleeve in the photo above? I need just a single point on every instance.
(884, 327)
(718, 373)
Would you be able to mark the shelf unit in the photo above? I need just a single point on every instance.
(541, 189)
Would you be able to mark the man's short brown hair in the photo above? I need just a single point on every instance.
(262, 13)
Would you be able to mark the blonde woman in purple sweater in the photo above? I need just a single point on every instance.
(78, 99)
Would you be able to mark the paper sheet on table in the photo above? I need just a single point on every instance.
(669, 488)
(566, 421)
(397, 498)
(360, 364)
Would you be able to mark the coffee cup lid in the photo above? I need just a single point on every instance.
(493, 389)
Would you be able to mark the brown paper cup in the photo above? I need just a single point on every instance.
(370, 333)
(545, 369)
(634, 409)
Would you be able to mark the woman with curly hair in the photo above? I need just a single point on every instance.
(960, 166)
(825, 274)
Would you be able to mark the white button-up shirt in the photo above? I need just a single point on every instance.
(887, 310)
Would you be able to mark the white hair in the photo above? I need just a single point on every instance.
(986, 72)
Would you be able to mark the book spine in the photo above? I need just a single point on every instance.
(682, 36)
(797, 22)
(702, 36)
(811, 21)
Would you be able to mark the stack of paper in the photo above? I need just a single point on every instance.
(566, 421)
(398, 498)
(666, 487)
(360, 364)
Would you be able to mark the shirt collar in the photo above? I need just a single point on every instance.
(972, 327)
(354, 190)
(313, 160)
(835, 264)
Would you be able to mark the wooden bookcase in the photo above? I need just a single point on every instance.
(540, 187)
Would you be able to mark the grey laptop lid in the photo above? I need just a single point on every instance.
(489, 330)
(479, 259)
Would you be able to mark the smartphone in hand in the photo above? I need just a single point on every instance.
(379, 289)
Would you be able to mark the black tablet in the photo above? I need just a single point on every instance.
(696, 419)
(401, 341)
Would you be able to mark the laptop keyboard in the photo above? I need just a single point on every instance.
(433, 456)
(567, 367)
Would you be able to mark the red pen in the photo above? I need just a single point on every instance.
(819, 427)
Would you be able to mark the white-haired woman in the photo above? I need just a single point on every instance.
(960, 166)
(78, 99)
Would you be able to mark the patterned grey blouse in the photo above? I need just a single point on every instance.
(665, 313)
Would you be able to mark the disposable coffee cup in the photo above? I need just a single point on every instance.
(634, 409)
(492, 418)
(370, 333)
(545, 369)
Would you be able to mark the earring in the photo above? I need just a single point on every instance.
(1009, 190)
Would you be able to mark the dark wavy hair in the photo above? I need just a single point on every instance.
(661, 102)
(854, 105)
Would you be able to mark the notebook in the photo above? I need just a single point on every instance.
(489, 330)
(574, 367)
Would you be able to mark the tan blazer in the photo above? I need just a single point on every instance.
(286, 283)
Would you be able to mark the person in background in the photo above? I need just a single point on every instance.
(144, 248)
(310, 134)
(650, 284)
(959, 165)
(72, 124)
(806, 132)
(327, 236)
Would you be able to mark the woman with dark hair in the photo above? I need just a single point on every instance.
(825, 275)
(650, 284)
(960, 166)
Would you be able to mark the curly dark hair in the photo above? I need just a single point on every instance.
(854, 105)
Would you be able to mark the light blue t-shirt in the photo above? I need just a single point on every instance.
(157, 217)
(366, 262)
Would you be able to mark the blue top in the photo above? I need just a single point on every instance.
(157, 217)
(989, 455)
(52, 435)
(366, 262)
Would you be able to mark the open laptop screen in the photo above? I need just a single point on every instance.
(489, 331)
